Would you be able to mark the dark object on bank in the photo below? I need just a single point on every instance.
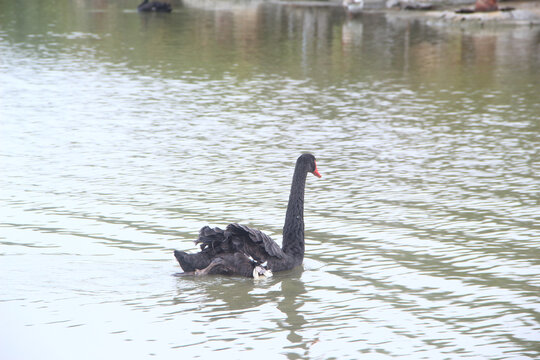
(156, 6)
(472, 11)
(240, 250)
(419, 7)
(464, 11)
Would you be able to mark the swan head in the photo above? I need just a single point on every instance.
(309, 162)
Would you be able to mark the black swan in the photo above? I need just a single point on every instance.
(240, 250)
(156, 6)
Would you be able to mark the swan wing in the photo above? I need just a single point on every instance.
(212, 240)
(258, 240)
(238, 238)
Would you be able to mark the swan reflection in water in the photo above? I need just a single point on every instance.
(229, 297)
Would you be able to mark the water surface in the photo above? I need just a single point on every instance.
(123, 133)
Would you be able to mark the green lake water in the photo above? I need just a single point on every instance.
(122, 134)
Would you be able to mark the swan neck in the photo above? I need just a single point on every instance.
(293, 230)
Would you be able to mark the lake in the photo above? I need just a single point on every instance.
(122, 134)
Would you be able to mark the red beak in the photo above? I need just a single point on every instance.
(316, 172)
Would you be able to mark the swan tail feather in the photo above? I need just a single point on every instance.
(192, 262)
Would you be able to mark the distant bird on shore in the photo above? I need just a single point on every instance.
(353, 7)
(156, 6)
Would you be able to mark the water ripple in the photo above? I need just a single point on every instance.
(421, 237)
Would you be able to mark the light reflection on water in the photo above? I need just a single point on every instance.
(118, 146)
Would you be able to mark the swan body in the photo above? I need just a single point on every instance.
(241, 250)
(156, 6)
